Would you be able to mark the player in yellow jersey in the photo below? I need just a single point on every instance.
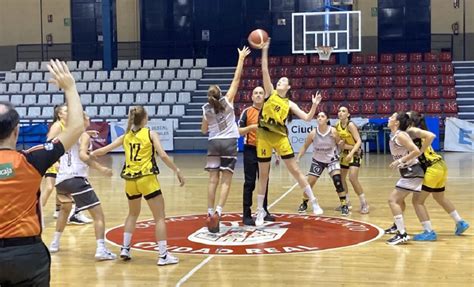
(139, 172)
(434, 182)
(272, 133)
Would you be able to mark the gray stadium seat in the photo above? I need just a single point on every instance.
(44, 66)
(184, 98)
(141, 98)
(188, 63)
(201, 63)
(86, 99)
(156, 98)
(41, 87)
(44, 99)
(4, 98)
(99, 99)
(10, 77)
(122, 64)
(163, 111)
(29, 100)
(72, 65)
(47, 76)
(34, 112)
(59, 99)
(20, 66)
(91, 111)
(127, 98)
(3, 88)
(33, 66)
(178, 110)
(168, 75)
(48, 112)
(161, 64)
(93, 87)
(17, 100)
(135, 86)
(14, 88)
(21, 111)
(101, 76)
(96, 65)
(170, 98)
(142, 75)
(150, 110)
(148, 86)
(135, 64)
(176, 85)
(27, 87)
(128, 75)
(105, 111)
(121, 86)
(81, 87)
(107, 86)
(162, 86)
(174, 63)
(77, 75)
(113, 99)
(190, 85)
(83, 66)
(148, 64)
(115, 75)
(182, 74)
(155, 74)
(120, 111)
(36, 77)
(23, 77)
(88, 76)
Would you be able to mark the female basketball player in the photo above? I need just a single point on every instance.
(434, 182)
(219, 120)
(72, 180)
(325, 139)
(405, 155)
(272, 134)
(59, 121)
(139, 172)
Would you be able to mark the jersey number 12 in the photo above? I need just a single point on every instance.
(134, 150)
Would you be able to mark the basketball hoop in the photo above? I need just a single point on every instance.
(324, 52)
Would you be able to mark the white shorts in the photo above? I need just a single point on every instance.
(409, 184)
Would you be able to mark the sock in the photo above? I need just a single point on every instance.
(342, 199)
(162, 248)
(455, 215)
(309, 192)
(361, 198)
(427, 225)
(210, 211)
(347, 195)
(127, 239)
(57, 236)
(100, 243)
(219, 210)
(399, 223)
(260, 199)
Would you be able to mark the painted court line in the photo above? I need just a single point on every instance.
(209, 258)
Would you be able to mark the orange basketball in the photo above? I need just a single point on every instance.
(257, 38)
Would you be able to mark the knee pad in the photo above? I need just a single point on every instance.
(338, 183)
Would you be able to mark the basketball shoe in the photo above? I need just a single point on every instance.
(398, 239)
(167, 260)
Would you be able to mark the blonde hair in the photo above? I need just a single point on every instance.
(213, 97)
(135, 116)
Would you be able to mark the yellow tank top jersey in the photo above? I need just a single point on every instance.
(345, 134)
(429, 156)
(53, 169)
(139, 154)
(274, 114)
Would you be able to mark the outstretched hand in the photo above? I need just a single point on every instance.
(266, 45)
(244, 52)
(61, 76)
(316, 99)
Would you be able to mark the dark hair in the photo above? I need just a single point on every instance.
(135, 116)
(57, 109)
(417, 120)
(404, 120)
(327, 116)
(8, 120)
(213, 96)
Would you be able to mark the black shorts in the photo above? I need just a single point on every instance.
(318, 167)
(53, 175)
(221, 154)
(82, 192)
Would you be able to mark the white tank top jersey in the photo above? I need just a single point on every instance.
(324, 146)
(71, 165)
(221, 125)
(398, 151)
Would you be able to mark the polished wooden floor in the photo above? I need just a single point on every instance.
(450, 260)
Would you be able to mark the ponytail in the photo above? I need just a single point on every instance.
(135, 116)
(213, 96)
(57, 109)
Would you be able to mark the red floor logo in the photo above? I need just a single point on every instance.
(291, 233)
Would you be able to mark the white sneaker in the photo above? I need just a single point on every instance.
(56, 214)
(104, 254)
(54, 247)
(167, 260)
(317, 210)
(261, 213)
(82, 217)
(125, 253)
(364, 208)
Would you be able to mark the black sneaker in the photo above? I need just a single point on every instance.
(391, 230)
(398, 239)
(303, 206)
(269, 217)
(75, 220)
(345, 210)
(248, 220)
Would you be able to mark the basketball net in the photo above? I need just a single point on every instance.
(324, 52)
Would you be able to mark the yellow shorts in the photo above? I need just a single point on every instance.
(435, 178)
(354, 162)
(51, 172)
(147, 185)
(269, 141)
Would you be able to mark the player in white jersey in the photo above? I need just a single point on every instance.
(72, 180)
(325, 155)
(405, 158)
(219, 121)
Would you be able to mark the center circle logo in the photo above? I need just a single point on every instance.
(290, 233)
